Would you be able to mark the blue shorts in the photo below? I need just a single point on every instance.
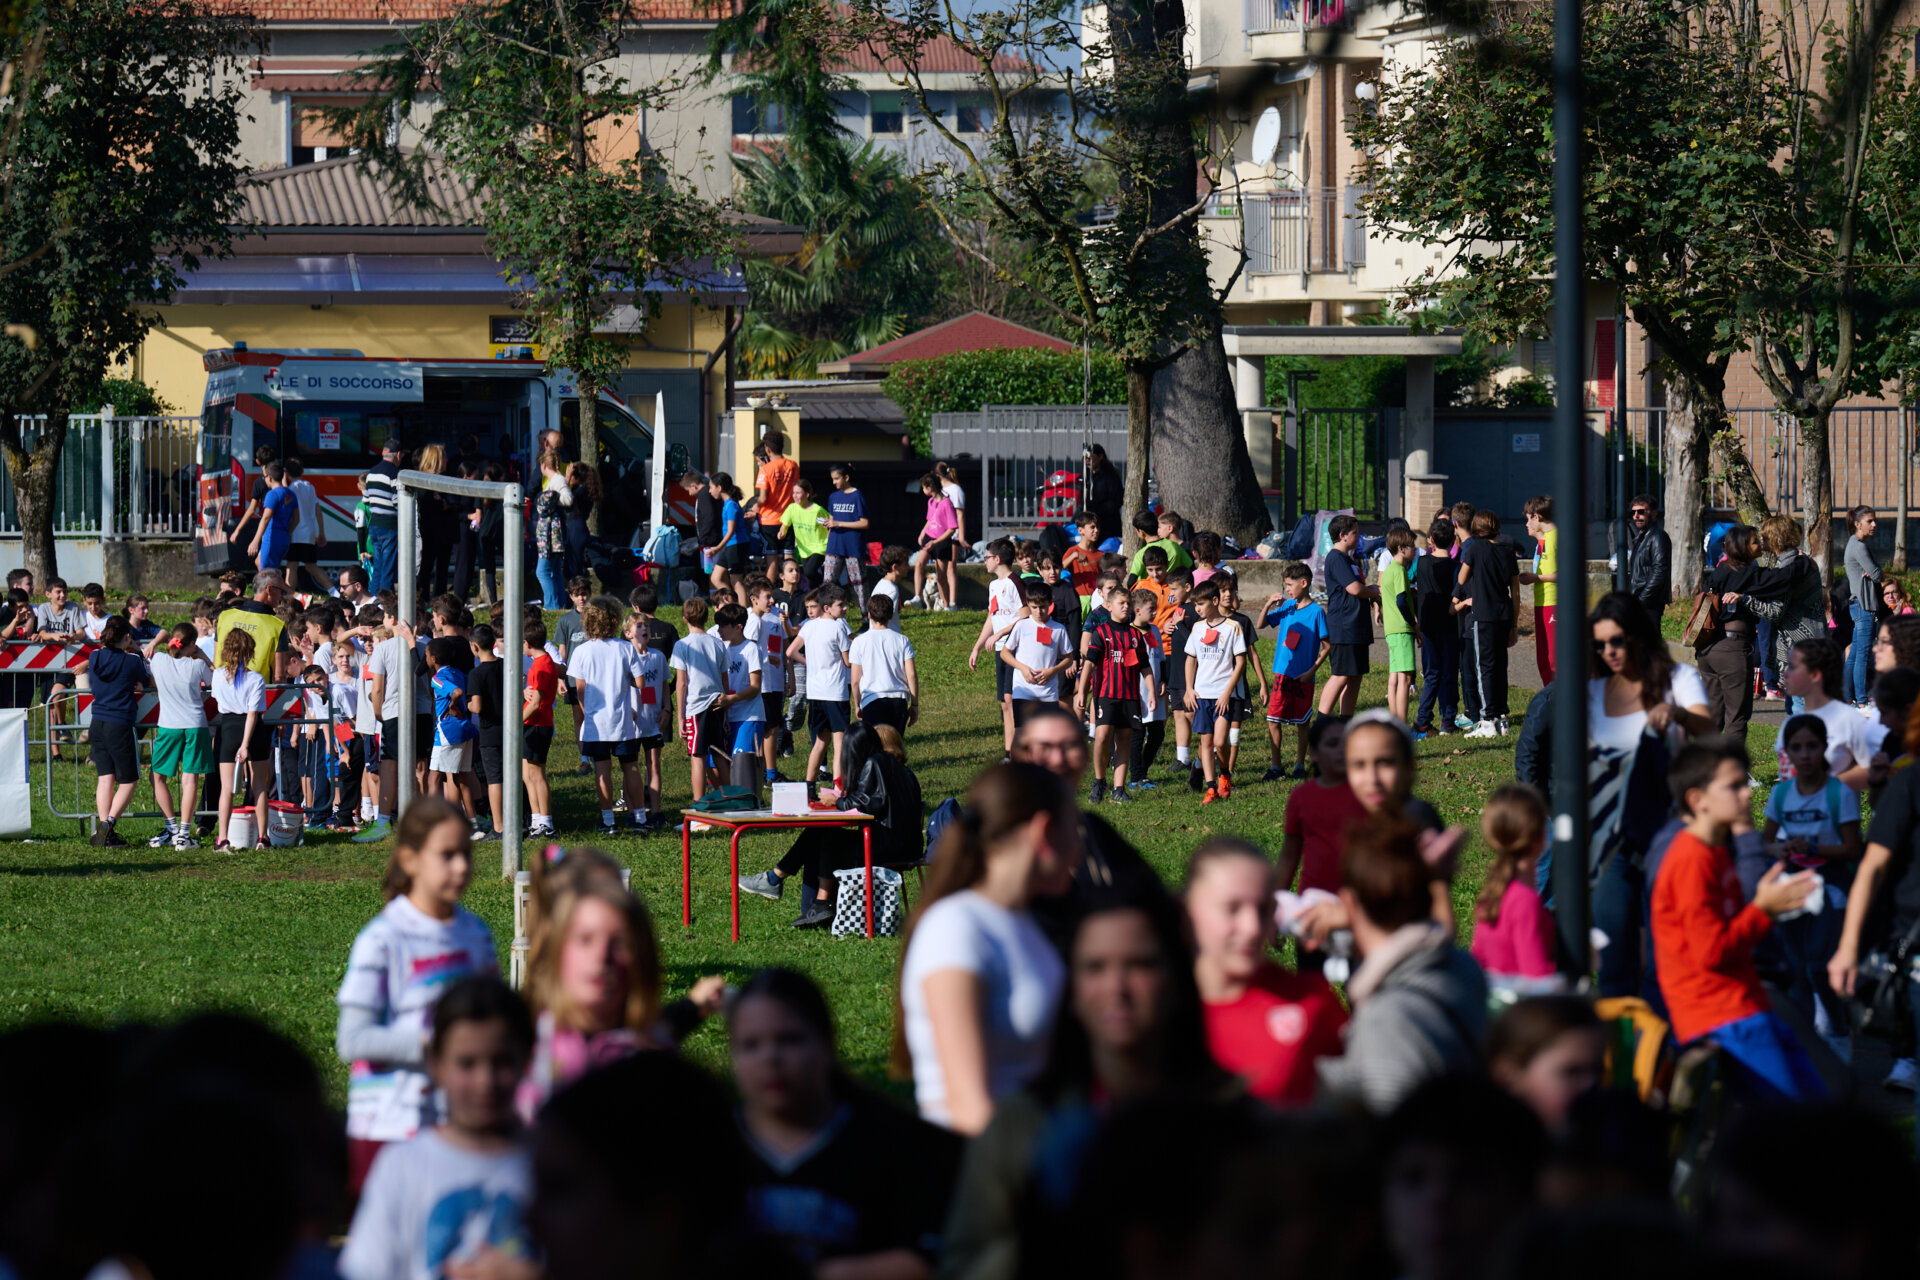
(1772, 1058)
(1204, 714)
(746, 736)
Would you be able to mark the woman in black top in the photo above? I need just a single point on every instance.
(1103, 491)
(1725, 655)
(832, 1171)
(585, 483)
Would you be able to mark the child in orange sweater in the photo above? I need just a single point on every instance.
(1704, 932)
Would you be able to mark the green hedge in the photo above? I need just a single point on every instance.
(970, 380)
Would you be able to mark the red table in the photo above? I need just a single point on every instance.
(746, 820)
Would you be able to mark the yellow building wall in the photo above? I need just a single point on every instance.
(861, 448)
(169, 360)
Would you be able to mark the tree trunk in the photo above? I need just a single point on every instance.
(1730, 455)
(33, 475)
(1139, 450)
(1683, 454)
(590, 442)
(1201, 458)
(1816, 487)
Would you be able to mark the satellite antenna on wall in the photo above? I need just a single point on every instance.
(1266, 136)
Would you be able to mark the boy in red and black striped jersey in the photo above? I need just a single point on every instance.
(1114, 656)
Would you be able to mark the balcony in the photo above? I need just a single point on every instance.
(1295, 30)
(1316, 231)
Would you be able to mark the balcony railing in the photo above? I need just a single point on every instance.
(1264, 16)
(1317, 230)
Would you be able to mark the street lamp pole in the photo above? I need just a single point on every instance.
(1571, 443)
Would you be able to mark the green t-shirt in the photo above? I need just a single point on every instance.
(809, 535)
(1393, 586)
(1177, 557)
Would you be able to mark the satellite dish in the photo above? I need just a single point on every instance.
(1266, 135)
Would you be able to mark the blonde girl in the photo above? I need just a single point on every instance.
(593, 975)
(240, 697)
(1512, 931)
(422, 941)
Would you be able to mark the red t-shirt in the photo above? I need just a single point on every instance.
(544, 678)
(1704, 932)
(1272, 1034)
(1319, 814)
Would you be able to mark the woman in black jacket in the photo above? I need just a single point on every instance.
(1725, 654)
(878, 783)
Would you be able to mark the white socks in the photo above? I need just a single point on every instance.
(1182, 754)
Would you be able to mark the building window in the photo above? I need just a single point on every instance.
(752, 118)
(888, 115)
(970, 119)
(313, 139)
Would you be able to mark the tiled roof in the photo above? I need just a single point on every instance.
(975, 331)
(371, 11)
(937, 54)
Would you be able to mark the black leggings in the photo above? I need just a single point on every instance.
(1146, 747)
(346, 810)
(821, 852)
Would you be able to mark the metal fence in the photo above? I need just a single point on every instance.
(1339, 461)
(1864, 443)
(118, 477)
(1316, 230)
(1262, 16)
(1019, 447)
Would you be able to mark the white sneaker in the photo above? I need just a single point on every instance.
(162, 840)
(183, 839)
(1905, 1076)
(1485, 729)
(1500, 726)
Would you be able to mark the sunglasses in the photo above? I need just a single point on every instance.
(1612, 642)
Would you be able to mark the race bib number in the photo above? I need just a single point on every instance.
(1043, 635)
(1131, 658)
(774, 644)
(1212, 634)
(648, 697)
(1293, 640)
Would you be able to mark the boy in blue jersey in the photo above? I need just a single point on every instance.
(1300, 646)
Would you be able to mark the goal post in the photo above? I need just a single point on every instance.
(512, 671)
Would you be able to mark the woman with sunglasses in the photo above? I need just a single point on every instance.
(1640, 704)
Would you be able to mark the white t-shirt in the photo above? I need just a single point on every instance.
(207, 649)
(344, 695)
(825, 640)
(386, 660)
(1847, 735)
(1021, 979)
(366, 716)
(1150, 679)
(605, 671)
(93, 626)
(306, 521)
(1039, 645)
(650, 700)
(882, 657)
(743, 663)
(1213, 646)
(885, 587)
(323, 656)
(181, 684)
(1812, 817)
(769, 631)
(701, 657)
(239, 696)
(429, 1202)
(1622, 733)
(955, 494)
(1003, 609)
(399, 966)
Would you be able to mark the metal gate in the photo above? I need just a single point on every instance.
(1018, 447)
(1336, 459)
(1864, 443)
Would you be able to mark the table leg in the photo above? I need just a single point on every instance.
(866, 853)
(686, 872)
(733, 880)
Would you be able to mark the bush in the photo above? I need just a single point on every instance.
(970, 380)
(129, 397)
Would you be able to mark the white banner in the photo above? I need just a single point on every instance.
(16, 793)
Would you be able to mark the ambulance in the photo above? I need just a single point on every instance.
(335, 409)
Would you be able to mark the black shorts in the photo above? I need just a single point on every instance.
(774, 538)
(651, 742)
(492, 764)
(626, 751)
(535, 742)
(1117, 713)
(1002, 677)
(707, 731)
(1348, 660)
(891, 711)
(770, 703)
(941, 551)
(824, 718)
(1239, 711)
(227, 730)
(728, 557)
(115, 751)
(422, 738)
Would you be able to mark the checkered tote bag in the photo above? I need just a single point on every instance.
(850, 904)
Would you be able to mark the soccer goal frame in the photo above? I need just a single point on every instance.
(512, 673)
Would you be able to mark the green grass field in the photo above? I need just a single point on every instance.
(107, 934)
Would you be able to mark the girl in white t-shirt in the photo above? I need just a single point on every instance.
(181, 743)
(240, 696)
(459, 1191)
(979, 982)
(1813, 675)
(402, 962)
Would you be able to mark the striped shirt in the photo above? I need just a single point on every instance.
(383, 496)
(1121, 653)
